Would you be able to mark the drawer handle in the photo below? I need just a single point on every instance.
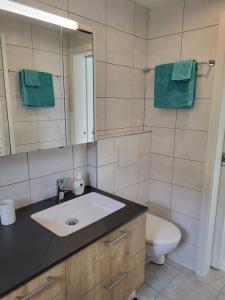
(110, 286)
(48, 282)
(117, 239)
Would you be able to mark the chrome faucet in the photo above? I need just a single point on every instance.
(62, 188)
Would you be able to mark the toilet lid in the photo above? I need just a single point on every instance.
(161, 232)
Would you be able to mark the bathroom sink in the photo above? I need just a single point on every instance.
(70, 216)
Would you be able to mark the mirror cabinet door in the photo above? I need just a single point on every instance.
(79, 86)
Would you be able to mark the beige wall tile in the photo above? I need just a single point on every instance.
(26, 133)
(119, 81)
(139, 84)
(129, 193)
(80, 155)
(191, 144)
(200, 44)
(94, 10)
(189, 227)
(106, 178)
(47, 39)
(144, 167)
(140, 53)
(163, 141)
(161, 167)
(145, 143)
(118, 113)
(141, 21)
(202, 13)
(143, 192)
(159, 211)
(120, 14)
(19, 58)
(159, 117)
(47, 62)
(138, 113)
(164, 50)
(46, 5)
(159, 193)
(126, 176)
(166, 19)
(196, 118)
(100, 113)
(100, 73)
(188, 174)
(186, 201)
(127, 150)
(106, 152)
(120, 47)
(204, 83)
(150, 80)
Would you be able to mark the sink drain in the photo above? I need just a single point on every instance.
(72, 222)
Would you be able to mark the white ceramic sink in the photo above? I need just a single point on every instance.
(70, 216)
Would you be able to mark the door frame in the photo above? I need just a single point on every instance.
(213, 158)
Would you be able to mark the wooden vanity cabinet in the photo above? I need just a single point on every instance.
(109, 269)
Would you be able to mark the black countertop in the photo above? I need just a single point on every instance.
(28, 249)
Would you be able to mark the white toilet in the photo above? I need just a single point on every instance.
(161, 238)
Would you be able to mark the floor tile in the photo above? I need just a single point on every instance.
(187, 287)
(220, 297)
(215, 279)
(158, 277)
(161, 297)
(146, 292)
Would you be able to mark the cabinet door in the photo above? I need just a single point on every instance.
(44, 287)
(88, 268)
(122, 282)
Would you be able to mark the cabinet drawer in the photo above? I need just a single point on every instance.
(88, 268)
(44, 287)
(122, 282)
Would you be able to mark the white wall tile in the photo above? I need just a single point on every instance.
(191, 144)
(44, 6)
(129, 193)
(51, 130)
(139, 84)
(140, 53)
(92, 172)
(144, 167)
(47, 39)
(202, 13)
(159, 117)
(94, 10)
(200, 44)
(160, 193)
(141, 21)
(119, 81)
(161, 167)
(26, 133)
(100, 41)
(185, 255)
(100, 105)
(118, 113)
(189, 227)
(106, 178)
(159, 211)
(188, 174)
(106, 151)
(204, 83)
(150, 80)
(46, 162)
(120, 14)
(80, 155)
(126, 150)
(186, 201)
(62, 4)
(47, 62)
(166, 19)
(120, 47)
(13, 169)
(92, 154)
(46, 187)
(196, 118)
(20, 192)
(143, 192)
(163, 141)
(164, 50)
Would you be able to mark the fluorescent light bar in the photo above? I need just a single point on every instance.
(37, 14)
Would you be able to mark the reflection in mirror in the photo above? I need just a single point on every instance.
(79, 80)
(36, 106)
(4, 124)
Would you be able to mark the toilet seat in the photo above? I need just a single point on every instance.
(161, 232)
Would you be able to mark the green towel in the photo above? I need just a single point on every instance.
(38, 96)
(182, 70)
(31, 78)
(174, 94)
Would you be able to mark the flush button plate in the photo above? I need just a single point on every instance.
(223, 160)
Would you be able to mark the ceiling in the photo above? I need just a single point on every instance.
(153, 3)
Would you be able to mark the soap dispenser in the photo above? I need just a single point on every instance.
(78, 185)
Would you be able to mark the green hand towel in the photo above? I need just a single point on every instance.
(182, 70)
(38, 96)
(31, 78)
(174, 94)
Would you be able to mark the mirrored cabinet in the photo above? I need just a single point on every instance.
(46, 86)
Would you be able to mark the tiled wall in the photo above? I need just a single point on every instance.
(181, 30)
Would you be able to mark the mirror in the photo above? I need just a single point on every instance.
(50, 86)
(79, 78)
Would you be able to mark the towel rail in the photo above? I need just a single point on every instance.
(211, 63)
(57, 76)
